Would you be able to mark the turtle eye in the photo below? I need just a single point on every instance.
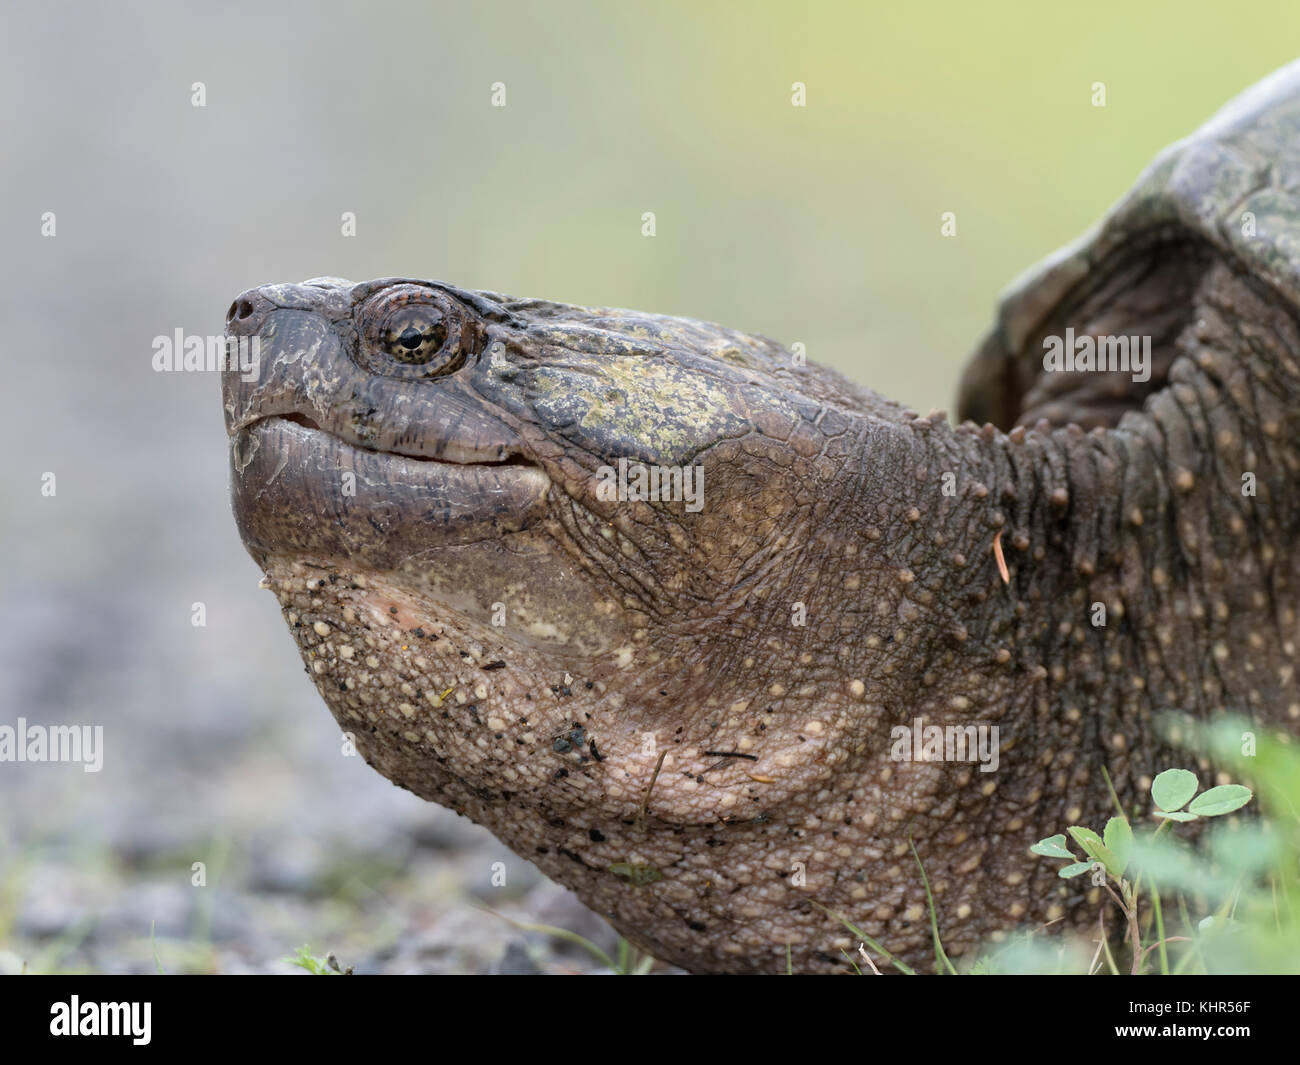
(414, 331)
(414, 335)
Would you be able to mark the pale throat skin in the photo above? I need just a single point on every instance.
(687, 714)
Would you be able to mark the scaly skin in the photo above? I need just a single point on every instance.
(500, 639)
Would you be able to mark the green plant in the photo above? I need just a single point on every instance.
(1236, 896)
(326, 966)
(1242, 882)
(1111, 854)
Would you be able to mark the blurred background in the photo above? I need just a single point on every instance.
(819, 224)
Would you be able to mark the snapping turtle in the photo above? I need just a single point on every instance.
(675, 615)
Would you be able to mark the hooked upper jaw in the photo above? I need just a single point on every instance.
(333, 459)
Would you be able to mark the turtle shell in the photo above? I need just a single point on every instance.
(1229, 191)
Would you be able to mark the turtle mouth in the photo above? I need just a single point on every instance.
(300, 490)
(449, 453)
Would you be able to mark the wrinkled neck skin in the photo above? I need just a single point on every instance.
(874, 602)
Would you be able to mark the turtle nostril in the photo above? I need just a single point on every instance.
(246, 313)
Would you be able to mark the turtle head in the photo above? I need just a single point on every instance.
(590, 483)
